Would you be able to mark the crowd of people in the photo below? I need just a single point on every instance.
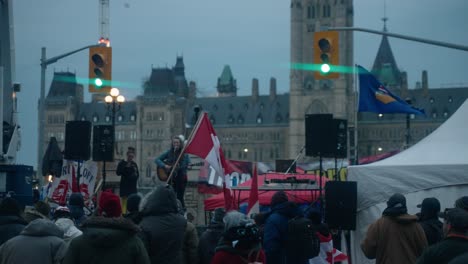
(398, 237)
(153, 228)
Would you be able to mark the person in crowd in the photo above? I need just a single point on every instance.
(63, 219)
(455, 242)
(108, 237)
(41, 210)
(11, 221)
(328, 254)
(39, 242)
(240, 243)
(128, 171)
(133, 205)
(168, 159)
(276, 227)
(210, 238)
(163, 228)
(461, 259)
(429, 220)
(396, 237)
(190, 246)
(76, 206)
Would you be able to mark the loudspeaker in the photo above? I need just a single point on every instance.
(340, 205)
(77, 140)
(319, 137)
(340, 127)
(283, 166)
(103, 143)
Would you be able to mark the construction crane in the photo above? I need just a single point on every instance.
(104, 21)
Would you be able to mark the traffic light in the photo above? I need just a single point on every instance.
(326, 54)
(100, 69)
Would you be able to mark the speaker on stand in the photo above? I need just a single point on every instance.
(77, 143)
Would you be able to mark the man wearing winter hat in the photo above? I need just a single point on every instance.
(462, 203)
(275, 229)
(396, 237)
(429, 220)
(455, 242)
(107, 238)
(210, 238)
(76, 205)
(11, 221)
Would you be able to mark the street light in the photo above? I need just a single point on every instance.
(114, 101)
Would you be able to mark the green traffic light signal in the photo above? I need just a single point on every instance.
(98, 82)
(325, 68)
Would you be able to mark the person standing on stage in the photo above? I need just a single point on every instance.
(128, 170)
(179, 176)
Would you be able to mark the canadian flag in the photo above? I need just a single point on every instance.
(254, 206)
(204, 143)
(328, 254)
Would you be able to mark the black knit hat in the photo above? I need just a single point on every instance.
(396, 200)
(278, 197)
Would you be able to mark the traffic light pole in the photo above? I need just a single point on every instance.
(41, 118)
(427, 41)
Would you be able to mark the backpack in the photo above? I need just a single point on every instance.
(302, 241)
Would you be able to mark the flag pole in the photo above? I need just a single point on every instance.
(195, 128)
(356, 109)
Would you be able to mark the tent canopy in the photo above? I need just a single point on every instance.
(297, 196)
(436, 166)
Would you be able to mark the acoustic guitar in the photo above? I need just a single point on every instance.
(163, 173)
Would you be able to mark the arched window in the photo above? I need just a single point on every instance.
(259, 119)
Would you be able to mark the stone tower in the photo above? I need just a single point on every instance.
(310, 96)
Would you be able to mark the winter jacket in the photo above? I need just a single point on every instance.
(70, 231)
(433, 230)
(275, 234)
(107, 240)
(10, 226)
(129, 177)
(444, 251)
(190, 247)
(40, 242)
(243, 252)
(208, 241)
(163, 228)
(394, 239)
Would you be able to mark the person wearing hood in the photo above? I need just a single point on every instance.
(41, 210)
(396, 237)
(40, 242)
(163, 228)
(429, 220)
(210, 238)
(133, 205)
(240, 243)
(63, 219)
(276, 229)
(108, 237)
(11, 221)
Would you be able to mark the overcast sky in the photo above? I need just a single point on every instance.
(252, 36)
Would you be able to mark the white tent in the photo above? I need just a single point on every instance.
(437, 166)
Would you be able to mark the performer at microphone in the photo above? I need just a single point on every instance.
(179, 176)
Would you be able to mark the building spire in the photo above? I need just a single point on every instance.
(385, 18)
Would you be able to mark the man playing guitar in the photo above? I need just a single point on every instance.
(179, 177)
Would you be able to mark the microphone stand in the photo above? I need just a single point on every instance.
(295, 160)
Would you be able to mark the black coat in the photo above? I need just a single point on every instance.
(444, 251)
(10, 226)
(129, 177)
(163, 228)
(433, 230)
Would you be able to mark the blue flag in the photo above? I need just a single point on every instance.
(374, 97)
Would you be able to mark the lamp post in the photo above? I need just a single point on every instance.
(114, 101)
(408, 128)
